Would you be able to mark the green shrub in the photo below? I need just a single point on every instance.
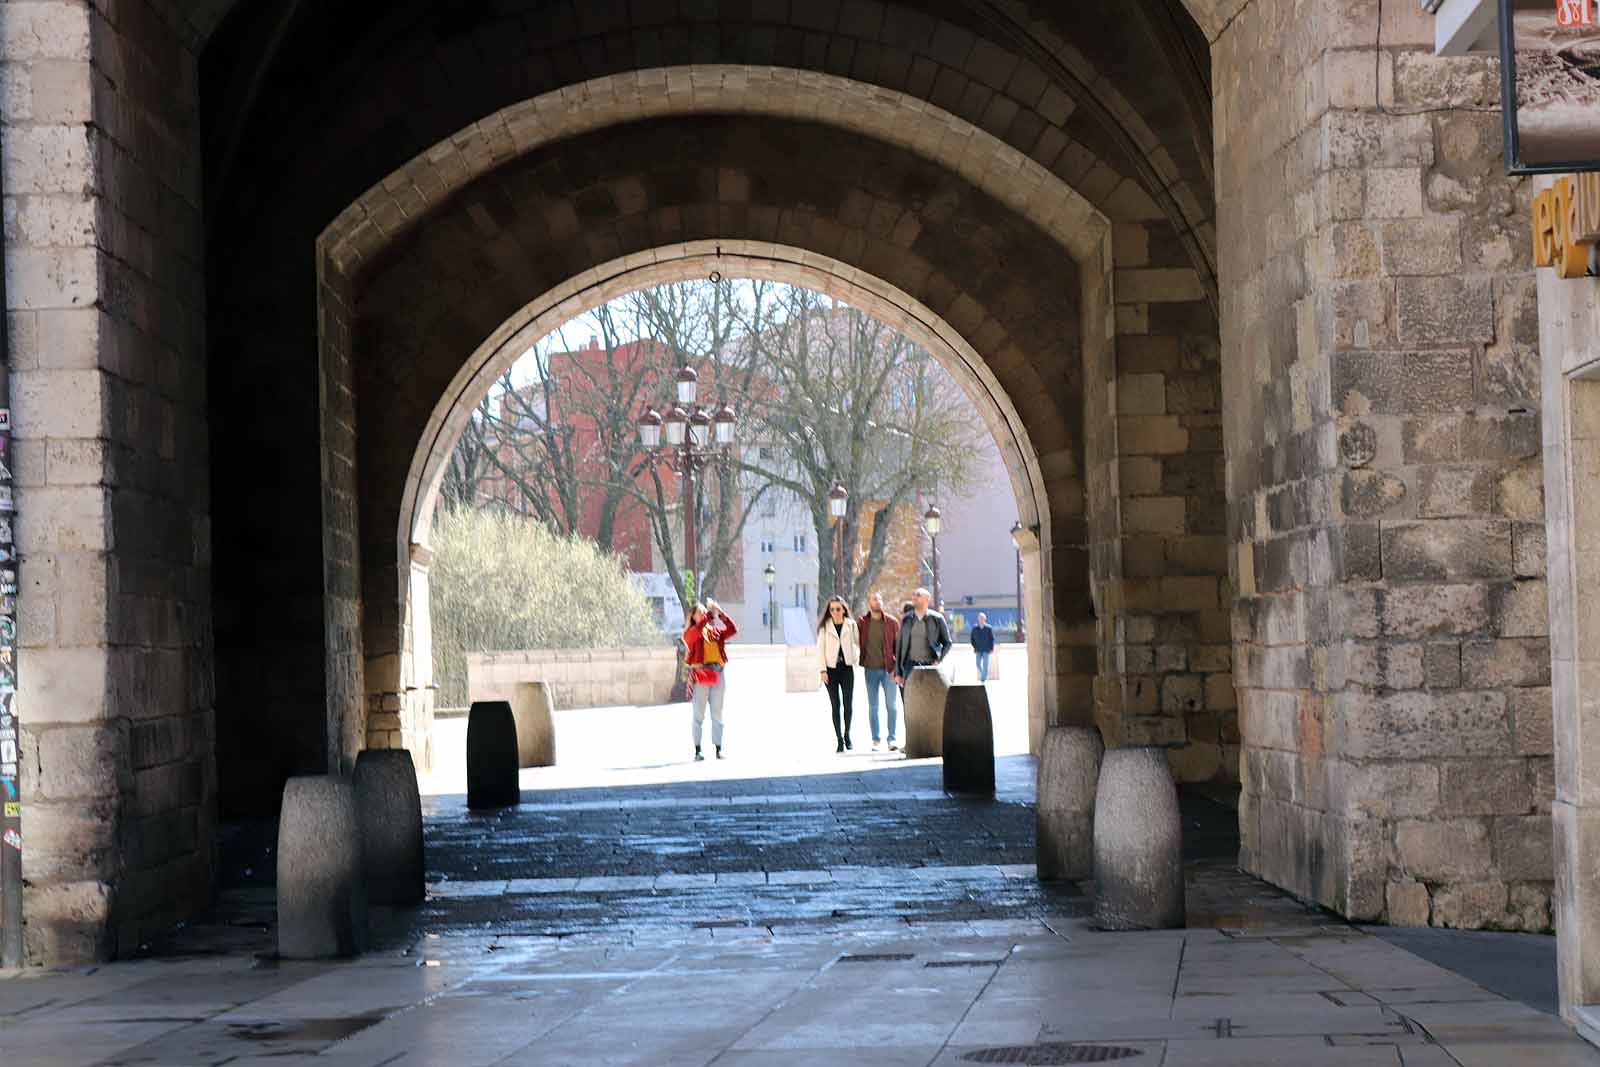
(501, 582)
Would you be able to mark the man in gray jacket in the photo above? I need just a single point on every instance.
(924, 638)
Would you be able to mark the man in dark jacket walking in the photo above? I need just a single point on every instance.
(982, 645)
(924, 638)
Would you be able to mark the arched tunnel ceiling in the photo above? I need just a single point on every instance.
(318, 102)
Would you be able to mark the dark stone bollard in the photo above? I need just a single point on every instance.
(968, 740)
(1138, 838)
(491, 755)
(390, 809)
(924, 708)
(1069, 774)
(322, 893)
(535, 712)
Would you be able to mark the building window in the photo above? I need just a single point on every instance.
(766, 617)
(768, 547)
(799, 542)
(801, 594)
(764, 452)
(769, 505)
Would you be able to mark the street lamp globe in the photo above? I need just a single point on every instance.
(1016, 534)
(838, 500)
(675, 422)
(650, 428)
(933, 520)
(699, 429)
(725, 420)
(688, 385)
(770, 574)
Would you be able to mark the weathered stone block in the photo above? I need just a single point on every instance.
(1407, 903)
(1402, 382)
(1421, 724)
(322, 893)
(1443, 551)
(1441, 665)
(390, 810)
(1485, 787)
(1444, 310)
(1383, 790)
(1452, 491)
(1470, 905)
(1443, 850)
(1069, 773)
(1524, 609)
(1507, 662)
(1137, 843)
(968, 740)
(1524, 848)
(1532, 731)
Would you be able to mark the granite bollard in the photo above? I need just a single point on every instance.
(533, 707)
(1138, 837)
(322, 893)
(924, 712)
(390, 810)
(491, 755)
(968, 740)
(1069, 774)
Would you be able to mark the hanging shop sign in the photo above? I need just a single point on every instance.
(1566, 225)
(1550, 84)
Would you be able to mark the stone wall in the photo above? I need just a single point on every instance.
(103, 250)
(1381, 419)
(581, 678)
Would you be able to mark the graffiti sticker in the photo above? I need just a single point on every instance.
(13, 839)
(13, 810)
(10, 785)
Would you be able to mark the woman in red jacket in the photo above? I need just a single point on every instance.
(706, 639)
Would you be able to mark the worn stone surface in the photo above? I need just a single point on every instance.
(321, 884)
(1069, 775)
(925, 695)
(390, 809)
(534, 709)
(1138, 865)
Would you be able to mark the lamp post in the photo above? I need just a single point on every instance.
(838, 504)
(771, 575)
(695, 436)
(1016, 539)
(933, 522)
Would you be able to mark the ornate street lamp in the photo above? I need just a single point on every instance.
(692, 438)
(1016, 539)
(933, 522)
(838, 505)
(771, 575)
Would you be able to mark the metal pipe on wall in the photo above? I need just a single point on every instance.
(10, 726)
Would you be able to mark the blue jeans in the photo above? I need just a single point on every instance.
(983, 665)
(877, 680)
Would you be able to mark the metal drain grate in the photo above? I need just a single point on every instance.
(875, 957)
(1052, 1053)
(964, 963)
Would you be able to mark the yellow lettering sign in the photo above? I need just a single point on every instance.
(1583, 223)
(13, 810)
(1562, 217)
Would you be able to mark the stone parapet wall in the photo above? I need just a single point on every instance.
(1381, 418)
(105, 317)
(580, 678)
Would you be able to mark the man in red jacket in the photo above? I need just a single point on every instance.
(879, 632)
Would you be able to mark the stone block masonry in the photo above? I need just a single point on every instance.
(102, 202)
(1380, 383)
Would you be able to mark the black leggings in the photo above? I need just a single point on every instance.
(841, 684)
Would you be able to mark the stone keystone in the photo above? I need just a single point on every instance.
(390, 808)
(1138, 862)
(968, 740)
(924, 707)
(322, 892)
(1069, 774)
(534, 708)
(491, 755)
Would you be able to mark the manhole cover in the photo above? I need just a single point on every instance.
(875, 957)
(1051, 1053)
(964, 963)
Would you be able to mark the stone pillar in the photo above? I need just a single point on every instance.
(105, 321)
(1384, 496)
(1138, 843)
(1069, 774)
(1569, 345)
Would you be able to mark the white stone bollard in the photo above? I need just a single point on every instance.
(1138, 843)
(322, 893)
(390, 808)
(534, 709)
(1069, 775)
(926, 690)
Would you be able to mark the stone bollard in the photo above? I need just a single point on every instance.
(1138, 839)
(322, 893)
(1069, 774)
(491, 755)
(390, 809)
(968, 740)
(534, 710)
(924, 712)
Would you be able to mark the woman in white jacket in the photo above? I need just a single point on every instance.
(839, 650)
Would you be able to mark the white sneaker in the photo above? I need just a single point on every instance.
(874, 746)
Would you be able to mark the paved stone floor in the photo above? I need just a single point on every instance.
(847, 912)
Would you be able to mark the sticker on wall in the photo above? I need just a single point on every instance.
(5, 532)
(13, 839)
(13, 810)
(9, 784)
(6, 501)
(5, 420)
(8, 752)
